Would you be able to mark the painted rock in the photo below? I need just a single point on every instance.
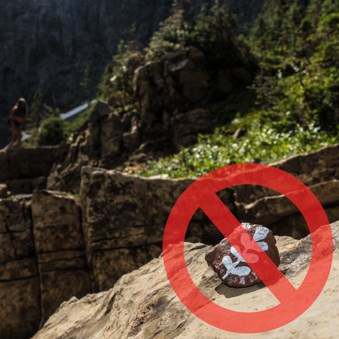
(231, 267)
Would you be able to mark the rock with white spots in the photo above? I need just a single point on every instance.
(225, 258)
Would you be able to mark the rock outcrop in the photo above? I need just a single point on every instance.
(173, 95)
(26, 169)
(318, 170)
(55, 246)
(42, 260)
(124, 219)
(142, 303)
(100, 143)
(59, 249)
(19, 279)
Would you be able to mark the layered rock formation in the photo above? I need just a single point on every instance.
(19, 279)
(55, 246)
(318, 170)
(42, 260)
(124, 219)
(59, 249)
(142, 304)
(51, 249)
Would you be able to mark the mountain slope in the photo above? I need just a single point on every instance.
(49, 44)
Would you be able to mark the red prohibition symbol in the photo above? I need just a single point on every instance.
(292, 301)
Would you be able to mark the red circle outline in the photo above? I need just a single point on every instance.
(203, 193)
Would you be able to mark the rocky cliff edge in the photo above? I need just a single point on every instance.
(142, 303)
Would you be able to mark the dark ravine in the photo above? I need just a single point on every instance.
(48, 44)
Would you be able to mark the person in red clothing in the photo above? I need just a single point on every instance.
(16, 122)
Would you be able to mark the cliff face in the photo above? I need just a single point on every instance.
(54, 246)
(48, 44)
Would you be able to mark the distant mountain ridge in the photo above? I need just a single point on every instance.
(48, 44)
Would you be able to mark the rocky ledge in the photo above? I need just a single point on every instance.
(23, 170)
(142, 303)
(55, 245)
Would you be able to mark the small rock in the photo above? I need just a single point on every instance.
(232, 269)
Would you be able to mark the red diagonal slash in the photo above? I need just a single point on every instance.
(226, 222)
(202, 194)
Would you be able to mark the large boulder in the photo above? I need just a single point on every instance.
(180, 84)
(124, 219)
(99, 142)
(142, 304)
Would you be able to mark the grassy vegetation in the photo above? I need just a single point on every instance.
(79, 121)
(297, 86)
(53, 130)
(262, 142)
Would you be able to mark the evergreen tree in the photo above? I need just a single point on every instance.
(297, 45)
(87, 82)
(36, 108)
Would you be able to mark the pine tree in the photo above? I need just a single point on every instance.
(36, 108)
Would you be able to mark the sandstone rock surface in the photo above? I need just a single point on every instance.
(142, 303)
(59, 249)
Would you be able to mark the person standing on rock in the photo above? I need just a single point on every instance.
(16, 122)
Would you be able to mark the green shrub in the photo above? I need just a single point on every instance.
(213, 31)
(78, 122)
(117, 79)
(52, 132)
(262, 142)
(298, 54)
(172, 36)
